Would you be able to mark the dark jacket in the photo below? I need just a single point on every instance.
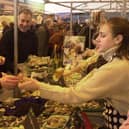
(27, 44)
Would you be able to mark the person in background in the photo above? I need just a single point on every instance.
(11, 25)
(88, 30)
(5, 27)
(76, 28)
(90, 52)
(57, 39)
(109, 81)
(27, 42)
(43, 34)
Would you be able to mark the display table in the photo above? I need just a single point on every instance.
(49, 114)
(28, 112)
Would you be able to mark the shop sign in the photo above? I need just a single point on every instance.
(37, 5)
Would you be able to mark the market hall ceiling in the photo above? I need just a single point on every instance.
(84, 5)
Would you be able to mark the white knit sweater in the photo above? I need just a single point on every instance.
(110, 81)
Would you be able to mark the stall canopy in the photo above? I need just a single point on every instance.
(62, 6)
(58, 6)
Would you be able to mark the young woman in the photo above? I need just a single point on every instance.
(109, 81)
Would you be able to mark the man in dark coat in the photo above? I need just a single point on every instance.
(27, 42)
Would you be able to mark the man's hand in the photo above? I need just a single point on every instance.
(9, 81)
(2, 60)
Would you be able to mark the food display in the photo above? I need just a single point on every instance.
(93, 106)
(48, 114)
(56, 122)
(35, 67)
(40, 68)
(11, 122)
(36, 62)
(53, 107)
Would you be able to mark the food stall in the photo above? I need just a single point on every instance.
(30, 111)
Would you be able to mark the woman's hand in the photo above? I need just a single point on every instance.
(29, 85)
(67, 73)
(88, 53)
(9, 81)
(58, 73)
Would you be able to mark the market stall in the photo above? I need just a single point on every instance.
(31, 111)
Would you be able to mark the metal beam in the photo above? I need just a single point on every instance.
(85, 9)
(82, 1)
